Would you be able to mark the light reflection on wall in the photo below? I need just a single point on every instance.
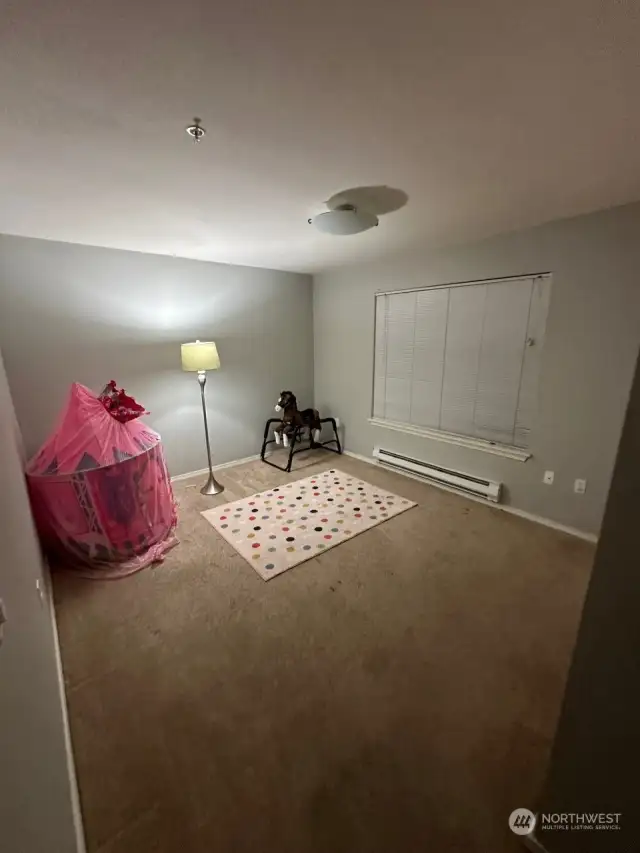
(76, 313)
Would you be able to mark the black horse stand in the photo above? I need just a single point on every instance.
(291, 427)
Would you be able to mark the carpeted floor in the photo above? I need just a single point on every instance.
(396, 693)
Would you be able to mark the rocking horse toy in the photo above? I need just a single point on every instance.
(291, 427)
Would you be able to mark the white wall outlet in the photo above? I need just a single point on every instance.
(337, 420)
(580, 487)
(548, 477)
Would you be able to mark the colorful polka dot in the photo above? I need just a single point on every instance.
(269, 566)
(256, 545)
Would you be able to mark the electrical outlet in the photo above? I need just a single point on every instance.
(580, 487)
(548, 477)
(337, 420)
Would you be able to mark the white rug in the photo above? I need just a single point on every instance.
(277, 529)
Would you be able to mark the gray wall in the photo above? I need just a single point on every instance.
(594, 762)
(36, 792)
(77, 313)
(593, 334)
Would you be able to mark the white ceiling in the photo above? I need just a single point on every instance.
(490, 114)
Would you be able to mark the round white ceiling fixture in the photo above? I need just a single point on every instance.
(344, 220)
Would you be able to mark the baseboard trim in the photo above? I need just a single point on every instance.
(529, 516)
(368, 459)
(81, 846)
(549, 522)
(201, 472)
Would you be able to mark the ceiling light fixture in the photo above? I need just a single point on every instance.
(195, 130)
(344, 220)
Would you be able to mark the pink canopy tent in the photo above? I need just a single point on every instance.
(101, 492)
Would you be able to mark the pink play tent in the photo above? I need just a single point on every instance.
(101, 492)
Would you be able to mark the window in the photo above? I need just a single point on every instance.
(462, 359)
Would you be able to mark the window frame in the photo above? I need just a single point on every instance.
(518, 454)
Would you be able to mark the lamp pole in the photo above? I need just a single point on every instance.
(212, 486)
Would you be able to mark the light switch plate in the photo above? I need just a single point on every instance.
(580, 487)
(548, 477)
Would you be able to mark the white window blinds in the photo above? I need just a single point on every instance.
(463, 359)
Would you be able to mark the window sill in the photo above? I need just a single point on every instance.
(518, 454)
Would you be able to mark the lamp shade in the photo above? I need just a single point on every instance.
(200, 355)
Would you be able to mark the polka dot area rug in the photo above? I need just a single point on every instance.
(277, 529)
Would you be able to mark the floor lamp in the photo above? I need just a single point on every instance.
(201, 356)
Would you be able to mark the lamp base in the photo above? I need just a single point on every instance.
(212, 487)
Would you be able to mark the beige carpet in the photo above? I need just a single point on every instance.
(281, 527)
(397, 693)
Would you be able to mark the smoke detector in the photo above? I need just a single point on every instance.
(195, 130)
(344, 219)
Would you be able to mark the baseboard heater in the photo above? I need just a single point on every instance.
(442, 476)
